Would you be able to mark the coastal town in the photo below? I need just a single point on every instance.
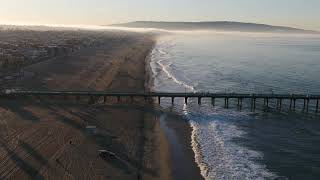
(22, 47)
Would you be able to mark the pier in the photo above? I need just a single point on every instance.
(94, 95)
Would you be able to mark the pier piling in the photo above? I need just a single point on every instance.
(199, 100)
(226, 102)
(304, 104)
(308, 101)
(252, 104)
(159, 99)
(172, 100)
(265, 104)
(186, 100)
(317, 106)
(213, 101)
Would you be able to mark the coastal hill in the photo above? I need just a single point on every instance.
(215, 25)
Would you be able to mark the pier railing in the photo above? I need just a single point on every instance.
(292, 98)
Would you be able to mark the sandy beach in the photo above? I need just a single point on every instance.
(53, 139)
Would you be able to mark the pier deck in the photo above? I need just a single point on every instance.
(226, 96)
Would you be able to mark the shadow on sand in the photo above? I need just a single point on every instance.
(22, 164)
(104, 139)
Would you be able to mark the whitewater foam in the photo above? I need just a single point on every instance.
(217, 156)
(171, 76)
(197, 149)
(160, 54)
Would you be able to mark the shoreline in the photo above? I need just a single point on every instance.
(179, 135)
(198, 156)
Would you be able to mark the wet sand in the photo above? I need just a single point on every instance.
(50, 139)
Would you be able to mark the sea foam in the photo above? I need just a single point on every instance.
(217, 155)
(161, 55)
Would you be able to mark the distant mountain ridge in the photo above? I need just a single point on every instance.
(214, 25)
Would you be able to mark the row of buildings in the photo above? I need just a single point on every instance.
(18, 48)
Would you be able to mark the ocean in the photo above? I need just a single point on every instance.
(232, 144)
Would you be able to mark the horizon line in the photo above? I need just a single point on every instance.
(101, 26)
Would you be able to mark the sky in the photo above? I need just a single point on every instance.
(295, 13)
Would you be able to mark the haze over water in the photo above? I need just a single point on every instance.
(252, 145)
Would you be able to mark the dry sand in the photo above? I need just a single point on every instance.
(41, 139)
